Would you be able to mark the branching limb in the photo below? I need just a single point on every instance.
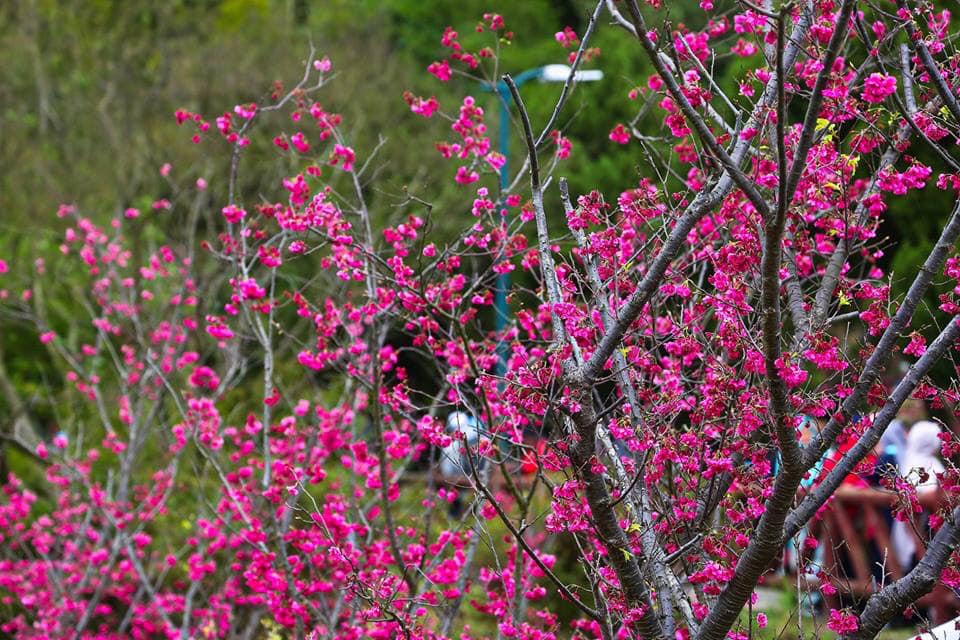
(702, 204)
(893, 598)
(668, 586)
(881, 353)
(598, 497)
(706, 136)
(568, 84)
(767, 537)
(829, 484)
(770, 288)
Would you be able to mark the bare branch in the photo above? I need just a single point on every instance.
(881, 353)
(892, 599)
(568, 84)
(865, 444)
(547, 267)
(705, 201)
(920, 47)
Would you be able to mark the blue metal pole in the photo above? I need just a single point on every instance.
(501, 310)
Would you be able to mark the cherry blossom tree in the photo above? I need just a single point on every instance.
(252, 408)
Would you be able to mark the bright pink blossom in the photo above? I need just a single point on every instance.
(441, 70)
(843, 623)
(233, 213)
(345, 154)
(619, 134)
(877, 87)
(465, 176)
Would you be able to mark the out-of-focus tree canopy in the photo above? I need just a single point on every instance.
(88, 89)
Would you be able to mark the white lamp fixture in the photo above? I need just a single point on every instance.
(560, 73)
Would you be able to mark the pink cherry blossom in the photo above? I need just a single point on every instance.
(877, 87)
(441, 70)
(233, 214)
(620, 135)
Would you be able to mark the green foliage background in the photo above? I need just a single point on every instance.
(89, 86)
(88, 89)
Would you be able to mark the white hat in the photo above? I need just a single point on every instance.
(464, 423)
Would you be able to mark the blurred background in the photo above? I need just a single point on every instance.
(88, 89)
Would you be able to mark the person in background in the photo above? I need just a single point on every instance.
(893, 442)
(921, 461)
(919, 466)
(455, 458)
(792, 561)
